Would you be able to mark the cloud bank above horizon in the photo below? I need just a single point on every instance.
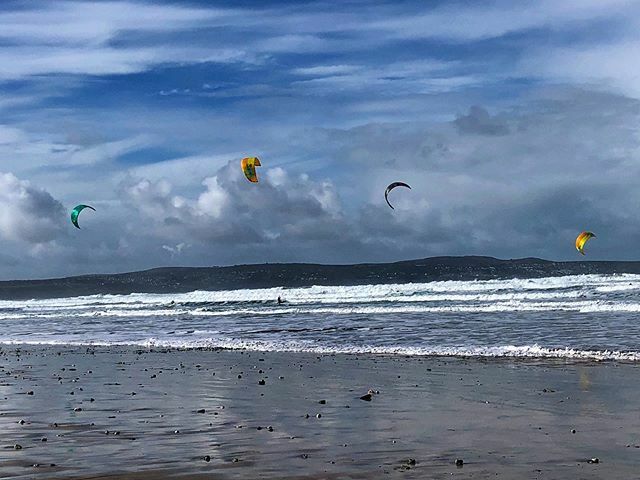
(517, 127)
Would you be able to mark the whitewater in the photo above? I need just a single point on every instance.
(581, 316)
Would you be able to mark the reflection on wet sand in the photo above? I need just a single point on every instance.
(71, 412)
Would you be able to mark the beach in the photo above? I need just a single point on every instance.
(78, 412)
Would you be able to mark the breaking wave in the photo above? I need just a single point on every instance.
(580, 317)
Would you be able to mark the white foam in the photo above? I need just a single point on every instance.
(503, 351)
(432, 291)
(250, 316)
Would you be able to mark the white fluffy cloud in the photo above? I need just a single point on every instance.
(231, 211)
(28, 214)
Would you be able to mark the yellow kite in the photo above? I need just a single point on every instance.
(582, 239)
(249, 165)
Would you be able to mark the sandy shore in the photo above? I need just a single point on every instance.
(109, 413)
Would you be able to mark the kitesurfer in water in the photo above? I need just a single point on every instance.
(280, 301)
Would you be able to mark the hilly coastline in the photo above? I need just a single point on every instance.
(185, 279)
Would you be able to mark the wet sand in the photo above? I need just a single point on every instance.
(151, 414)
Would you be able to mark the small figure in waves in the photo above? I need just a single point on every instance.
(280, 300)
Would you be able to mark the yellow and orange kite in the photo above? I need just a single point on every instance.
(582, 239)
(249, 165)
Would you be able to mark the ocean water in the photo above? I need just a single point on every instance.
(583, 316)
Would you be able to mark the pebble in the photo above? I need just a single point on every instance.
(318, 415)
(322, 402)
(366, 398)
(594, 460)
(202, 410)
(17, 446)
(459, 462)
(262, 382)
(207, 458)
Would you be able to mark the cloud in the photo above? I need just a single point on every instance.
(478, 187)
(231, 211)
(92, 38)
(326, 70)
(28, 214)
(83, 23)
(175, 250)
(556, 170)
(480, 122)
(515, 126)
(607, 65)
(468, 23)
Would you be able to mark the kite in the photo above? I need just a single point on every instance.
(582, 239)
(249, 165)
(391, 187)
(76, 212)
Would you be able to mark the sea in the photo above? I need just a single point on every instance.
(578, 316)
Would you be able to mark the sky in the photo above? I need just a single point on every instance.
(515, 123)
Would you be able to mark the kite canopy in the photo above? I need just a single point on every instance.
(249, 165)
(391, 187)
(582, 239)
(76, 212)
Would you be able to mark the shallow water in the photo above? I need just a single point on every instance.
(584, 316)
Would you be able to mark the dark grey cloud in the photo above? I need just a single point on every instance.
(478, 121)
